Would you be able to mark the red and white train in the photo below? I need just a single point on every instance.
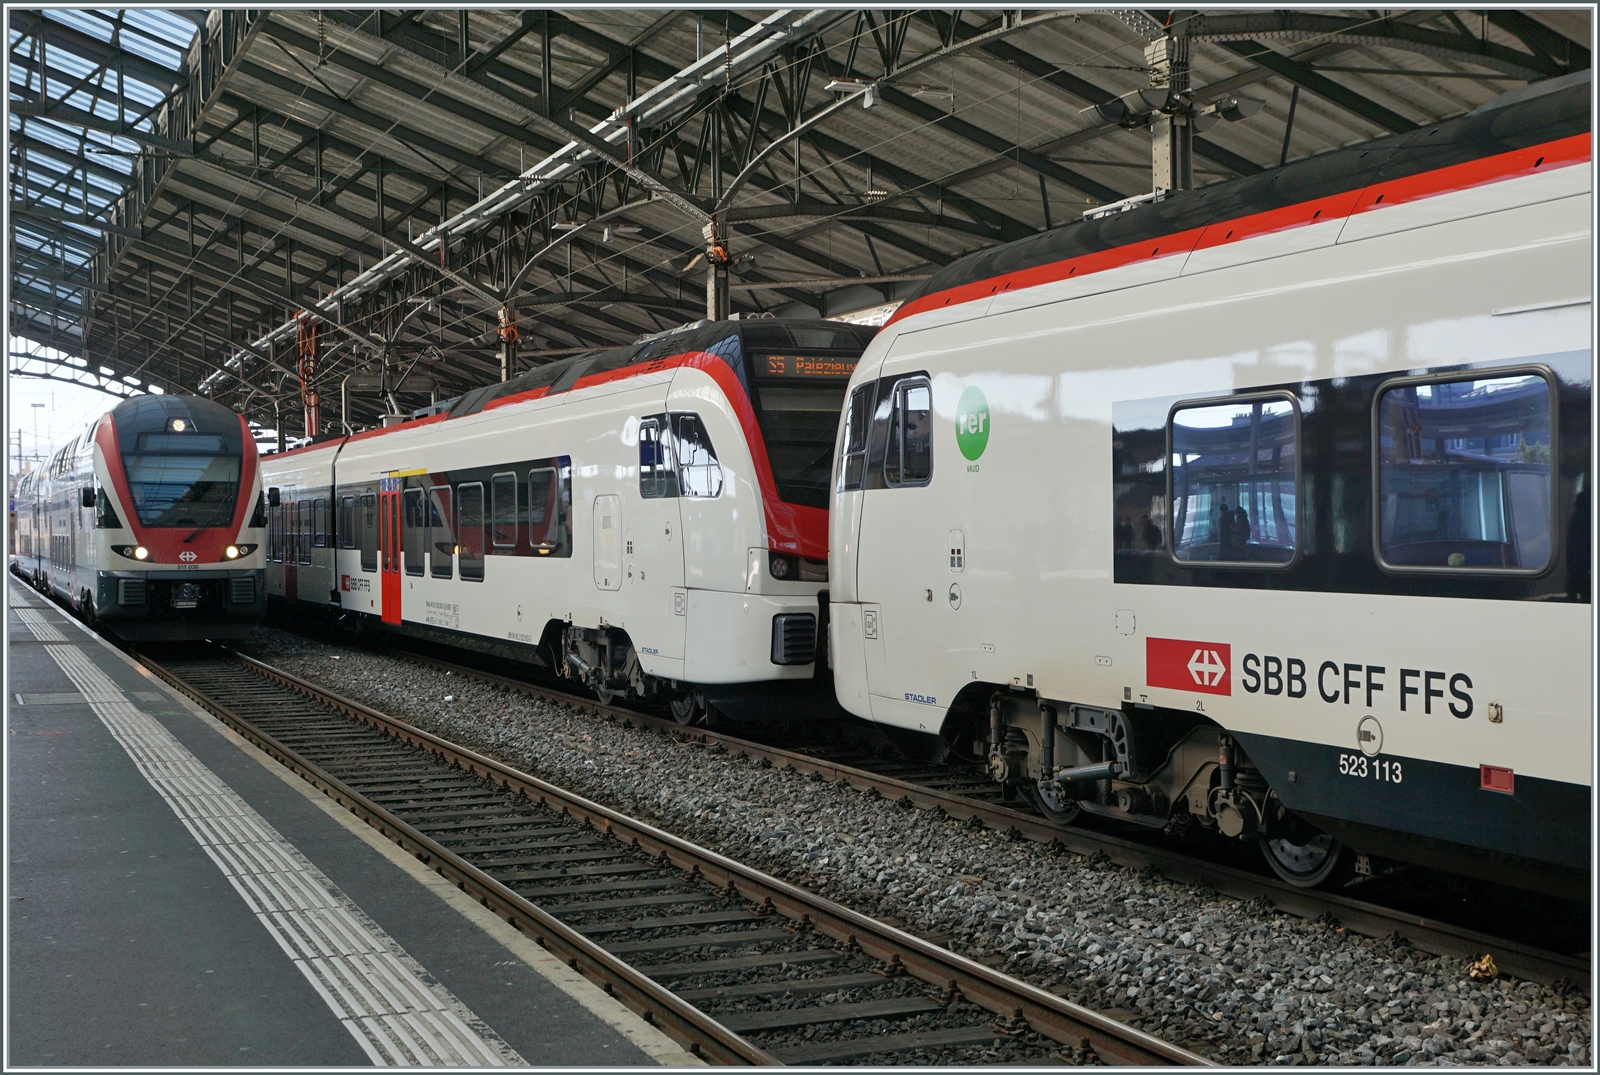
(1263, 507)
(650, 520)
(151, 522)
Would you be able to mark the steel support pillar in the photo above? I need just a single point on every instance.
(1171, 133)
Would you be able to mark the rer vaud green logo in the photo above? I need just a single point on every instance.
(972, 423)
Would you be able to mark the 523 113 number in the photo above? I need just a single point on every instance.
(1379, 769)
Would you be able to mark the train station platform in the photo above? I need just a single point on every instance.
(175, 897)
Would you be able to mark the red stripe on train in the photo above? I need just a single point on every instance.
(1520, 162)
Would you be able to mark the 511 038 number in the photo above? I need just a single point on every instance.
(1379, 769)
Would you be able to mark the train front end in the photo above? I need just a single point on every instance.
(179, 523)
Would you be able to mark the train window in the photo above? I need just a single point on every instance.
(1235, 482)
(441, 539)
(305, 531)
(105, 514)
(347, 522)
(415, 521)
(857, 427)
(319, 525)
(259, 518)
(699, 473)
(469, 530)
(1464, 474)
(503, 510)
(545, 530)
(368, 532)
(909, 457)
(658, 477)
(272, 534)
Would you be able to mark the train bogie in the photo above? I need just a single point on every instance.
(1262, 508)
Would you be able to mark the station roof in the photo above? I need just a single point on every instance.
(189, 188)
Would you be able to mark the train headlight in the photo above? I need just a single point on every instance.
(233, 552)
(782, 566)
(141, 553)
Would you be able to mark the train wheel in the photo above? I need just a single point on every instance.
(1319, 860)
(689, 708)
(1056, 808)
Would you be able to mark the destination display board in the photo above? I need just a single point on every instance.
(805, 366)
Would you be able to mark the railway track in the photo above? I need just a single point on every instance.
(738, 966)
(972, 797)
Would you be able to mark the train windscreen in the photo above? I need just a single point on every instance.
(183, 488)
(798, 397)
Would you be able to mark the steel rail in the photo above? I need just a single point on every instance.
(683, 1022)
(1369, 919)
(1008, 997)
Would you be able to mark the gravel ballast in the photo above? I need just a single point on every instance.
(1234, 981)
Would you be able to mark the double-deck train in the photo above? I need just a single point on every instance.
(1263, 508)
(650, 520)
(151, 522)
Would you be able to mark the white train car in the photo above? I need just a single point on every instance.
(1263, 507)
(650, 520)
(27, 561)
(151, 522)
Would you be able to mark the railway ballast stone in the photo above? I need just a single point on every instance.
(1230, 979)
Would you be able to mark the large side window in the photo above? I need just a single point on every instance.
(469, 530)
(319, 530)
(441, 538)
(857, 427)
(909, 456)
(1235, 482)
(369, 531)
(699, 473)
(1465, 476)
(272, 533)
(658, 476)
(415, 522)
(347, 522)
(503, 501)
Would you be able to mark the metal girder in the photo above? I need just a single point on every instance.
(656, 102)
(971, 132)
(534, 118)
(57, 35)
(1308, 79)
(76, 161)
(77, 117)
(295, 225)
(809, 206)
(1086, 91)
(1545, 42)
(345, 183)
(59, 280)
(1375, 32)
(383, 126)
(44, 212)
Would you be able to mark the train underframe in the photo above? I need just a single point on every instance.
(1157, 768)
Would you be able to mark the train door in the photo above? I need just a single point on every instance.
(652, 552)
(901, 552)
(289, 548)
(608, 542)
(389, 547)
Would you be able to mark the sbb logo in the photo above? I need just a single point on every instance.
(187, 557)
(1186, 665)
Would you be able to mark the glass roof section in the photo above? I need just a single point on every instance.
(78, 79)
